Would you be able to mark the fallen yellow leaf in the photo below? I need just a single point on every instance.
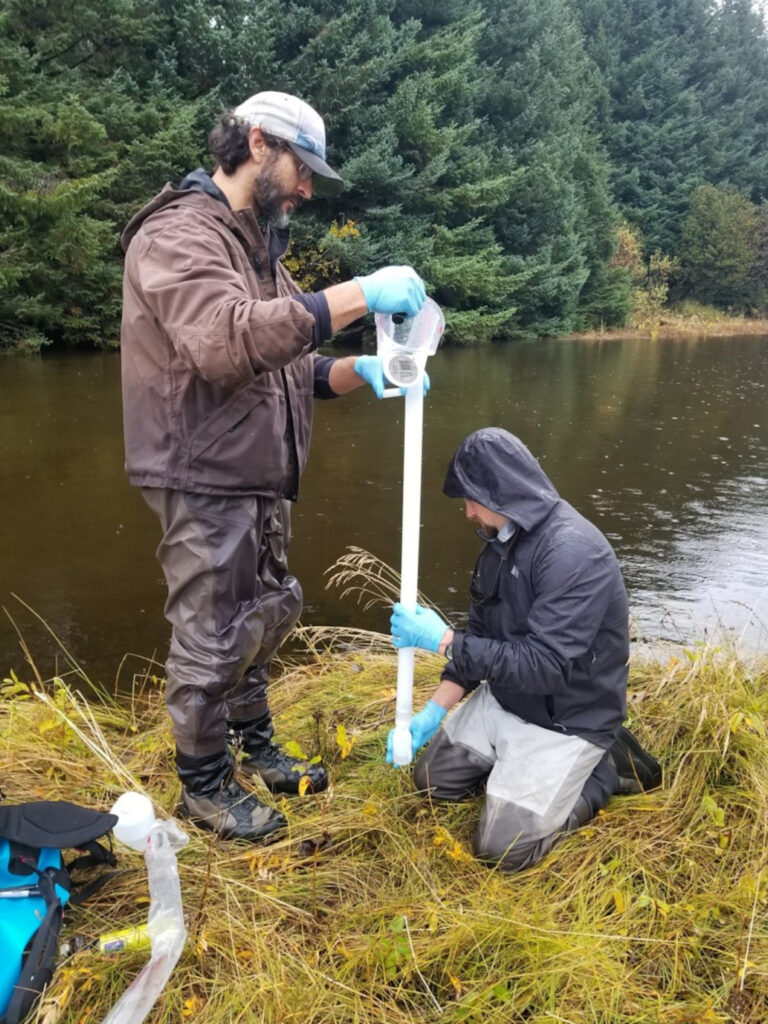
(458, 988)
(343, 741)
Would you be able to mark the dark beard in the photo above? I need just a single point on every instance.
(268, 199)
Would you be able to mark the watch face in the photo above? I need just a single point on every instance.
(449, 651)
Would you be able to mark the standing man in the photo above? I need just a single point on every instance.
(544, 656)
(220, 370)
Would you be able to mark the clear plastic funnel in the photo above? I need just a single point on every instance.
(404, 343)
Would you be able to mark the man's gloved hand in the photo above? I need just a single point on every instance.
(424, 725)
(370, 368)
(420, 628)
(393, 290)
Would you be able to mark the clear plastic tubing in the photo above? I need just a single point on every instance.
(158, 841)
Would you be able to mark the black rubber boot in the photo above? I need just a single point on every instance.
(213, 799)
(281, 772)
(598, 790)
(638, 771)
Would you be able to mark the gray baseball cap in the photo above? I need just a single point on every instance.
(299, 126)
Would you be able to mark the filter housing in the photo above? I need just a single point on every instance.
(405, 343)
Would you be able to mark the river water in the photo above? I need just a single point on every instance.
(663, 444)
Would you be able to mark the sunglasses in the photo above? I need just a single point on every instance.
(478, 591)
(303, 170)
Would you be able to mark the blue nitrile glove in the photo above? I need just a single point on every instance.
(423, 727)
(393, 290)
(370, 368)
(420, 628)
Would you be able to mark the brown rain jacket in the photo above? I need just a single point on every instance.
(218, 363)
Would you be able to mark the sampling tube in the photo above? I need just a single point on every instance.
(402, 752)
(158, 841)
(404, 344)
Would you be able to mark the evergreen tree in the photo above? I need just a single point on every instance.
(758, 285)
(400, 96)
(650, 53)
(84, 98)
(718, 247)
(559, 226)
(473, 135)
(685, 102)
(734, 84)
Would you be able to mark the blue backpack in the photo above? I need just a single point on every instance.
(35, 885)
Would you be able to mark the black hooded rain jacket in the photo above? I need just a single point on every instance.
(548, 626)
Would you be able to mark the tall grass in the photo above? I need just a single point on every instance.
(371, 908)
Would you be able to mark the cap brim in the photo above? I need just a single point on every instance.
(326, 181)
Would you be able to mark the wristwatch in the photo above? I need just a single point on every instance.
(449, 650)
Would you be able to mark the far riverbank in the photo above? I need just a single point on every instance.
(703, 322)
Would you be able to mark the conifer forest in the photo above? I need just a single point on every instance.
(546, 165)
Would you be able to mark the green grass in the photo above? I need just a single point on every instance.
(655, 912)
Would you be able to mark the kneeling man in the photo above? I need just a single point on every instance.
(544, 657)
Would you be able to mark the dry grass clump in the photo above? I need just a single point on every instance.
(372, 909)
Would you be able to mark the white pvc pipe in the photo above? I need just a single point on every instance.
(402, 752)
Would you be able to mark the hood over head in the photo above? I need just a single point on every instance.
(494, 468)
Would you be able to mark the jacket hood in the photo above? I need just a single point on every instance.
(196, 183)
(197, 188)
(494, 468)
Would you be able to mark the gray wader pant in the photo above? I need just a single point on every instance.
(230, 603)
(534, 779)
